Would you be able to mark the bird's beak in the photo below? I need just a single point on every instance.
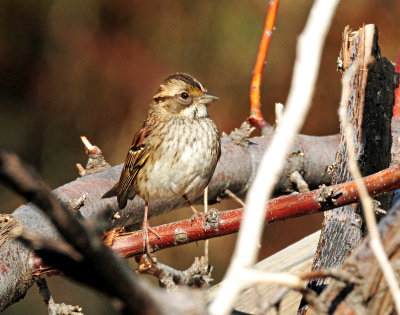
(207, 98)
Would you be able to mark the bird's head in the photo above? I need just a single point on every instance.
(181, 94)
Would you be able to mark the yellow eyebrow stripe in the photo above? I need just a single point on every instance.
(194, 89)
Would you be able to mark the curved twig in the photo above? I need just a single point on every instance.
(256, 118)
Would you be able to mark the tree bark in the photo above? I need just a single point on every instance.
(371, 295)
(369, 109)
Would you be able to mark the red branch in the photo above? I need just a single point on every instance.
(396, 108)
(256, 118)
(325, 198)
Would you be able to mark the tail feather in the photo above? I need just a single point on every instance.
(122, 197)
(112, 192)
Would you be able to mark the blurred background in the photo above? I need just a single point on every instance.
(77, 67)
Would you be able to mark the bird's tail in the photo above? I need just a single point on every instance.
(122, 196)
(112, 192)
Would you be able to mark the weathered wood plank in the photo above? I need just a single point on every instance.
(296, 258)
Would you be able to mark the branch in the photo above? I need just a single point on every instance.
(198, 275)
(96, 161)
(228, 222)
(299, 181)
(112, 275)
(18, 264)
(17, 261)
(52, 307)
(256, 118)
(282, 208)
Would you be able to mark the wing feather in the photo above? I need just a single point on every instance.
(136, 158)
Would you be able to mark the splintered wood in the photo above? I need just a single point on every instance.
(343, 228)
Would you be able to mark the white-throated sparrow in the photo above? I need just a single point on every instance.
(176, 150)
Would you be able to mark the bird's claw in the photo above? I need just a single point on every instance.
(146, 241)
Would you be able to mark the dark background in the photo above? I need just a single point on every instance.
(72, 67)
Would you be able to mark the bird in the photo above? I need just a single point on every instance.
(175, 151)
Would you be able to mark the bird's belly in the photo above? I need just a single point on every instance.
(178, 172)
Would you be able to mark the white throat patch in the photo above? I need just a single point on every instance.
(195, 111)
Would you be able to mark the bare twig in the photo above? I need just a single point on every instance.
(366, 200)
(96, 161)
(55, 308)
(337, 274)
(299, 181)
(293, 282)
(198, 275)
(206, 243)
(340, 275)
(76, 204)
(256, 117)
(252, 276)
(305, 74)
(234, 197)
(376, 205)
(278, 113)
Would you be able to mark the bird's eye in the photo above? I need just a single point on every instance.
(184, 95)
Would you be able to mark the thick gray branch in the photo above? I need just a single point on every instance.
(235, 171)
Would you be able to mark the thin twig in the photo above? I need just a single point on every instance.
(206, 243)
(256, 117)
(96, 161)
(52, 307)
(76, 204)
(299, 181)
(252, 276)
(340, 275)
(337, 274)
(366, 200)
(303, 82)
(88, 146)
(278, 113)
(234, 197)
(45, 292)
(198, 275)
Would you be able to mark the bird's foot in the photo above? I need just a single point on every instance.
(146, 241)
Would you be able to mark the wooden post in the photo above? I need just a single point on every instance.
(370, 107)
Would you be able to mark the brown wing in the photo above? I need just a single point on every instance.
(135, 159)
